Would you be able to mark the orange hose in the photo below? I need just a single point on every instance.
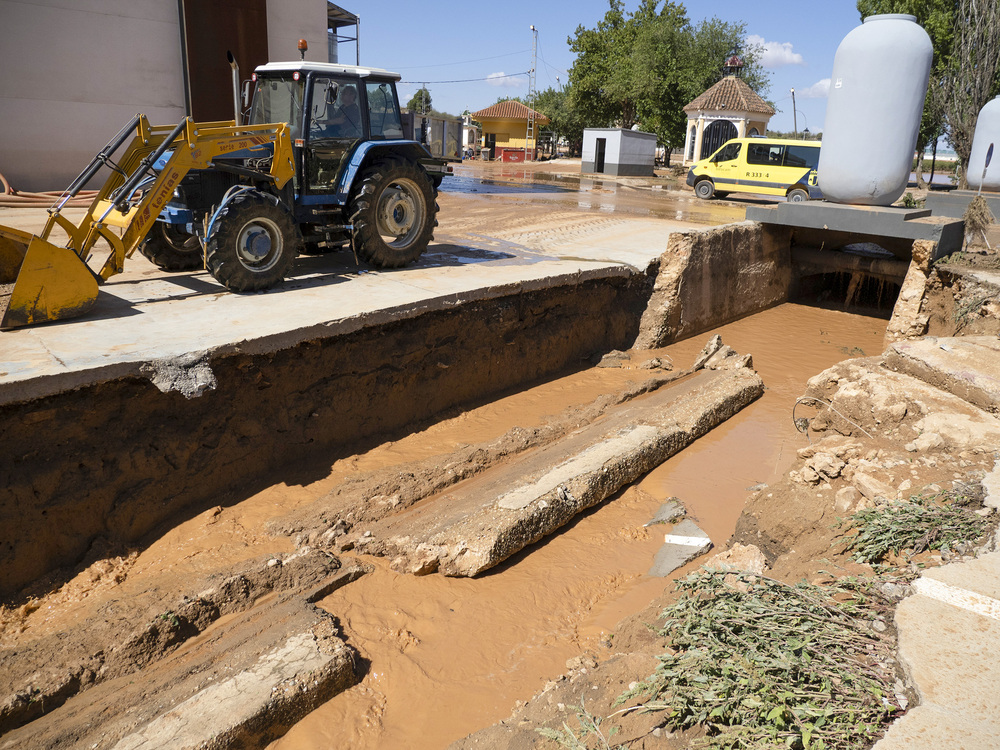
(11, 198)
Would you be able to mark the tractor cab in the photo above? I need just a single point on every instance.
(335, 113)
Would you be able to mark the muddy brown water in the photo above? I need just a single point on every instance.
(448, 656)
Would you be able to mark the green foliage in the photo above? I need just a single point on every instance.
(759, 663)
(589, 730)
(921, 524)
(645, 66)
(420, 102)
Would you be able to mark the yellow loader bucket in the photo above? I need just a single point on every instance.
(41, 282)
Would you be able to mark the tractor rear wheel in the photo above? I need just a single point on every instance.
(393, 214)
(171, 249)
(253, 244)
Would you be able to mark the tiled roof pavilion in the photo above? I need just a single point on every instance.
(729, 109)
(733, 94)
(509, 110)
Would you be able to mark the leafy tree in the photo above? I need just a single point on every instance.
(420, 102)
(938, 19)
(644, 67)
(973, 76)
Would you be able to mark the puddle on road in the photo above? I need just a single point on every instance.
(449, 656)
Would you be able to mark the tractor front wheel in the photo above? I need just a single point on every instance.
(171, 249)
(393, 214)
(253, 244)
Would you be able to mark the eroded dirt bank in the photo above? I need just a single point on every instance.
(89, 473)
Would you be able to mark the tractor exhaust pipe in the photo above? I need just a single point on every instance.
(236, 87)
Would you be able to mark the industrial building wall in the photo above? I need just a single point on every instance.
(74, 73)
(291, 20)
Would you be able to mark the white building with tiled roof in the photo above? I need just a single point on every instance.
(729, 109)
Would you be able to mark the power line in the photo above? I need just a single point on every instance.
(465, 62)
(471, 80)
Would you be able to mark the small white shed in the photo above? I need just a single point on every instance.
(617, 151)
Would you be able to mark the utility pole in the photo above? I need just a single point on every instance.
(795, 119)
(530, 131)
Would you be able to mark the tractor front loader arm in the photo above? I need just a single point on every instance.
(47, 282)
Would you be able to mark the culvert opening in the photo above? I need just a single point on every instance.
(862, 277)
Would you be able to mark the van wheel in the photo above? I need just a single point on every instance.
(704, 189)
(797, 196)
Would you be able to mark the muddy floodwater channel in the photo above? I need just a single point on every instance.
(445, 656)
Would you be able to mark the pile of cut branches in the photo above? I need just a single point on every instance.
(930, 522)
(760, 663)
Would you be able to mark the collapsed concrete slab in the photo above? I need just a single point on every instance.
(684, 543)
(240, 683)
(968, 367)
(710, 277)
(485, 520)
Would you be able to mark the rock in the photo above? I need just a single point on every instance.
(826, 464)
(613, 359)
(872, 488)
(656, 364)
(893, 591)
(846, 499)
(741, 557)
(928, 441)
(713, 345)
(808, 474)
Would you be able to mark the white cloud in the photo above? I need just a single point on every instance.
(504, 80)
(775, 54)
(819, 90)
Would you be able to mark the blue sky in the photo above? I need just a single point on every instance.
(448, 40)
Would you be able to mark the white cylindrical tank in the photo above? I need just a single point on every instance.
(987, 132)
(877, 90)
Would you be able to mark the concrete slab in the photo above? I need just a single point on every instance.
(669, 512)
(240, 684)
(146, 315)
(966, 366)
(955, 202)
(950, 655)
(874, 221)
(683, 544)
(485, 520)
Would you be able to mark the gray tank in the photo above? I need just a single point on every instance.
(877, 91)
(987, 132)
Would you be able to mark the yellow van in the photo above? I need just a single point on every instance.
(768, 166)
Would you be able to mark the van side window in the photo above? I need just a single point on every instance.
(765, 153)
(729, 152)
(802, 156)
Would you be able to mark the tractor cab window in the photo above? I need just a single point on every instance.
(335, 111)
(278, 100)
(383, 110)
(336, 125)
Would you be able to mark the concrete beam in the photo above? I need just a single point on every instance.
(485, 520)
(873, 221)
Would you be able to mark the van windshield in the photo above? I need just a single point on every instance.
(727, 153)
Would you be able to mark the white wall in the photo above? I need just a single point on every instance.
(74, 73)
